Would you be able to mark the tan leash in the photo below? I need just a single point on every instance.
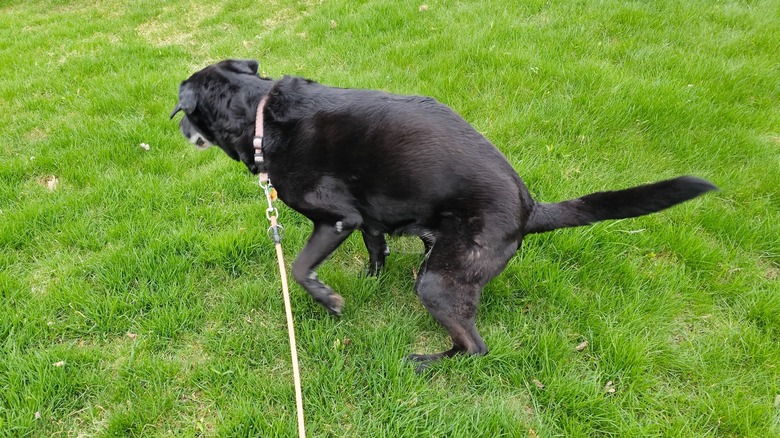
(276, 232)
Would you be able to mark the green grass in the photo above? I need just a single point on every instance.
(150, 276)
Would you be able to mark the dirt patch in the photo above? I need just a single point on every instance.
(37, 134)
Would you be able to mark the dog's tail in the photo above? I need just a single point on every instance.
(620, 204)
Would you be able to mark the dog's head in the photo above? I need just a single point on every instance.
(219, 105)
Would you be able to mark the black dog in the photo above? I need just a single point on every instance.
(385, 164)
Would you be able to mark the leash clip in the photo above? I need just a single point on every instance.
(275, 231)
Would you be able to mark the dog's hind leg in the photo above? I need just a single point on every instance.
(323, 241)
(455, 307)
(450, 285)
(377, 251)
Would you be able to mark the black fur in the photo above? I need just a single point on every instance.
(621, 204)
(386, 164)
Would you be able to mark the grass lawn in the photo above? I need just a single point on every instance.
(138, 290)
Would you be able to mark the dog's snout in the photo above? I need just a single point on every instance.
(191, 133)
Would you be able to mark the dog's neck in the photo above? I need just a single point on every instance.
(257, 141)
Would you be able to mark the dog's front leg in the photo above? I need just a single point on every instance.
(323, 241)
(377, 251)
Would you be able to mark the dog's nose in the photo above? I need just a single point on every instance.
(200, 142)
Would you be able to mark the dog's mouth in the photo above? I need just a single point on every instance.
(200, 142)
(193, 135)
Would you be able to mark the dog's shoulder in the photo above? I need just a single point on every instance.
(291, 97)
(292, 83)
(295, 87)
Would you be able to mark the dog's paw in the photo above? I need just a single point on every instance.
(335, 304)
(422, 362)
(422, 357)
(374, 269)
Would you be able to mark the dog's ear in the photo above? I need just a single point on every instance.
(248, 66)
(187, 100)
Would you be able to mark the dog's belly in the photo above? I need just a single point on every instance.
(420, 217)
(396, 217)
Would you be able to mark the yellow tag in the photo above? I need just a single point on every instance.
(273, 194)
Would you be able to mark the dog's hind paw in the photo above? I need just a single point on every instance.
(422, 362)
